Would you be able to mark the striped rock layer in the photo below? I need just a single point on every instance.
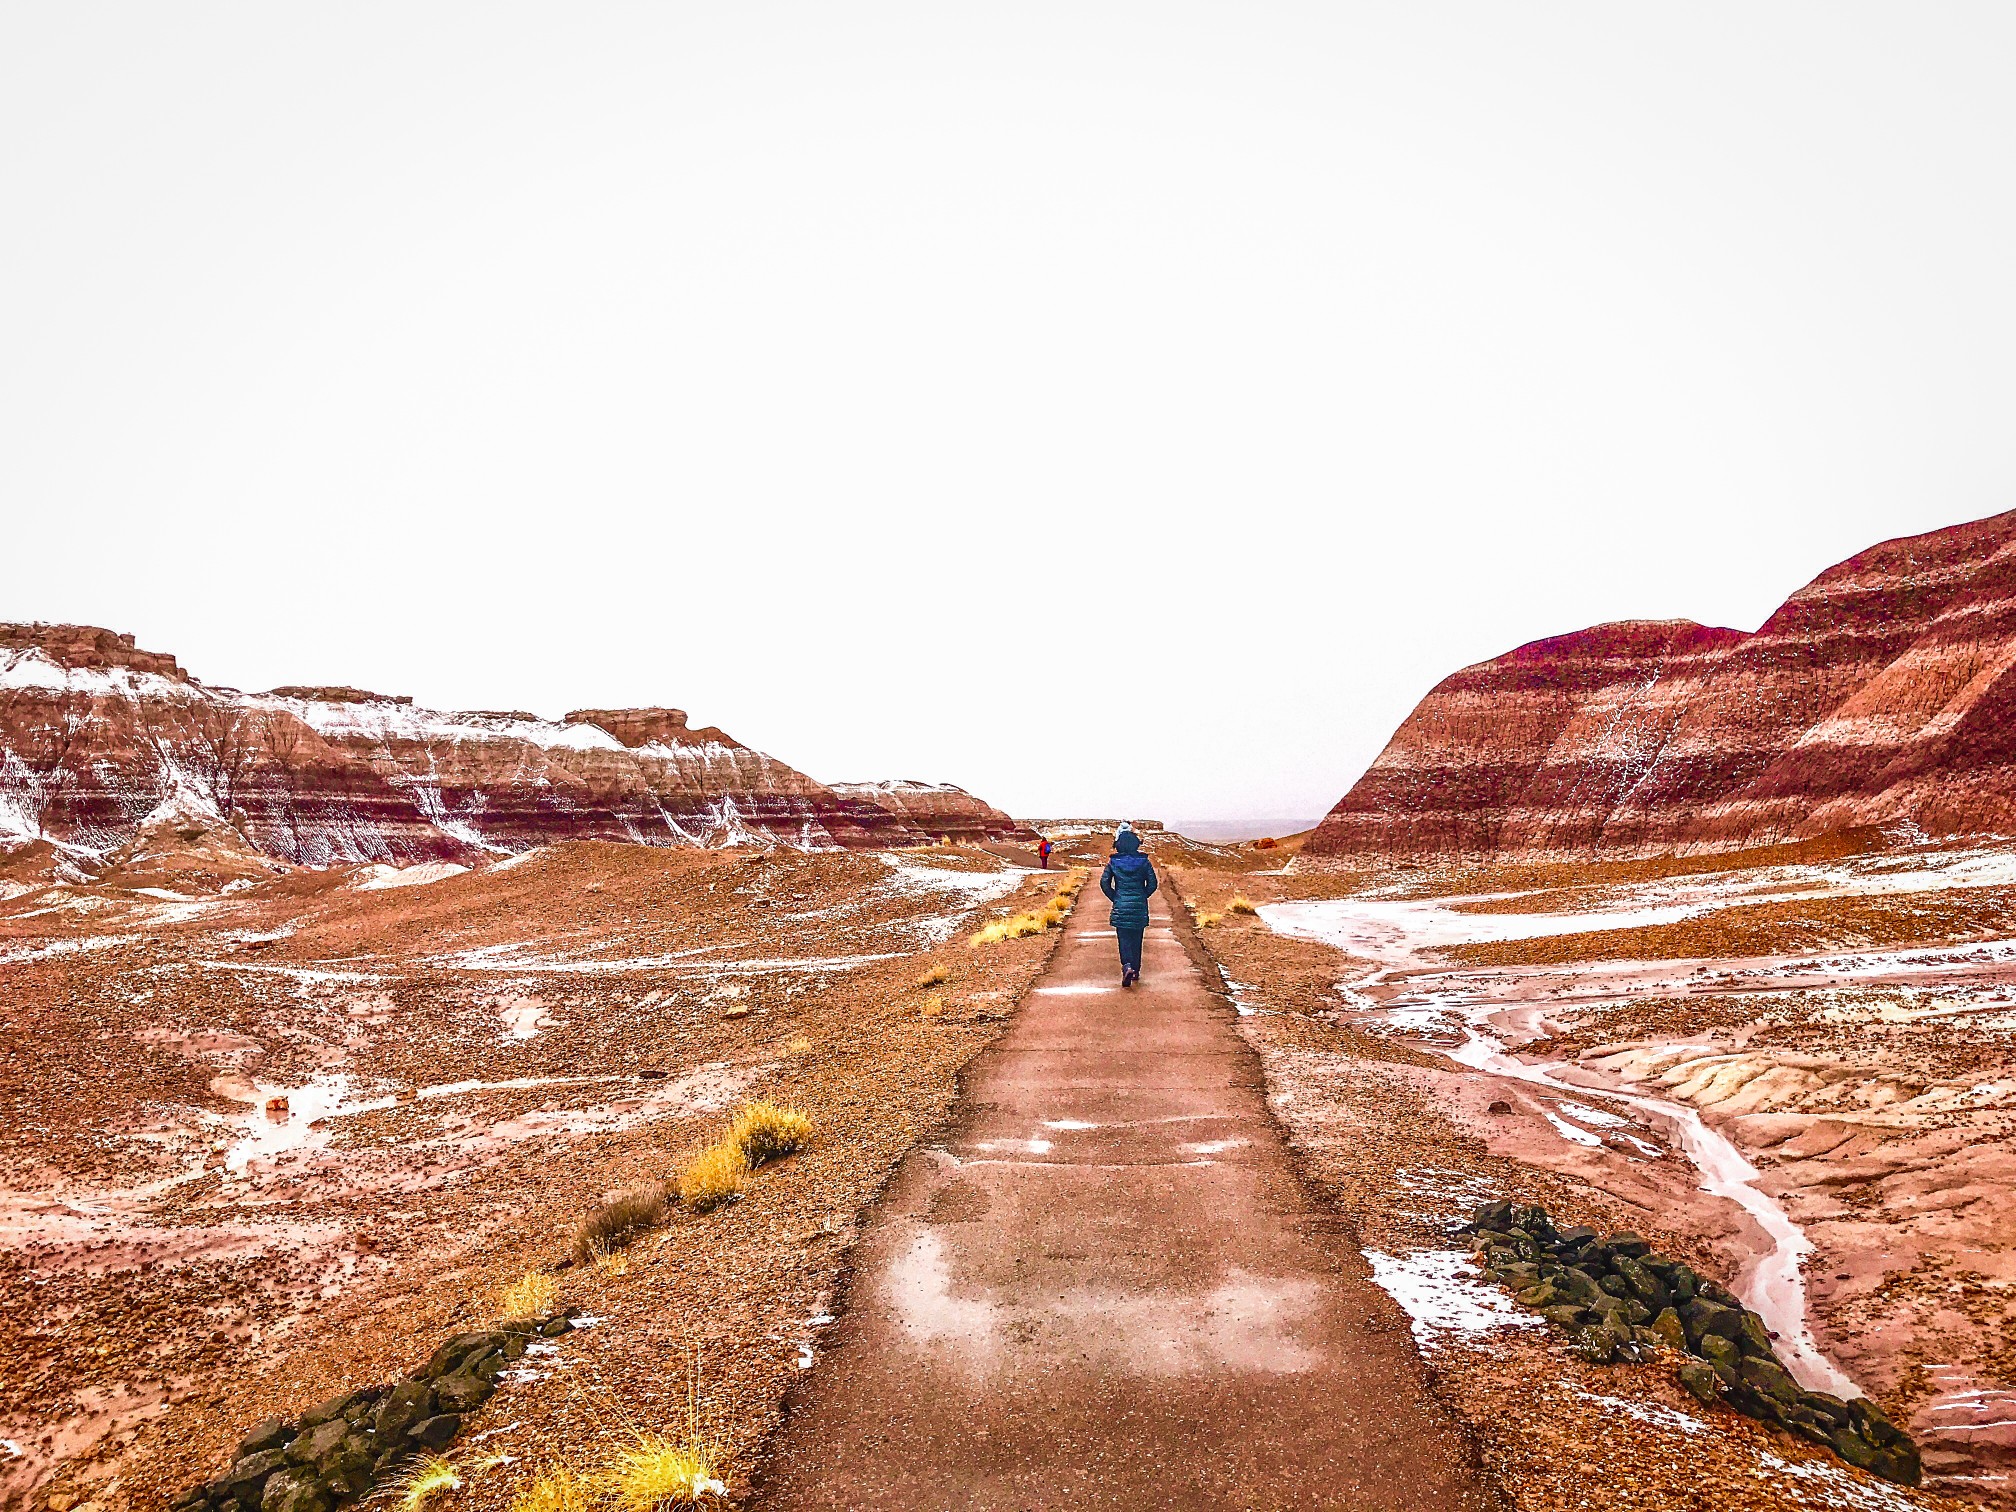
(1881, 694)
(97, 735)
(938, 809)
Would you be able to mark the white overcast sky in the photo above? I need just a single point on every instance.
(1108, 407)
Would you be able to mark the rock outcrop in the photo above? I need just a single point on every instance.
(96, 736)
(1881, 694)
(1620, 1302)
(938, 809)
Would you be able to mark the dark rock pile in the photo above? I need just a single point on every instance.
(1619, 1301)
(338, 1451)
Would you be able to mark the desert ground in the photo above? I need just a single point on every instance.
(1790, 1067)
(274, 1141)
(275, 1134)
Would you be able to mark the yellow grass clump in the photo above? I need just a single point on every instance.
(532, 1295)
(428, 1478)
(715, 1175)
(555, 1489)
(1206, 920)
(763, 1131)
(621, 1219)
(934, 1007)
(613, 1265)
(1240, 905)
(1031, 923)
(935, 976)
(655, 1472)
(797, 1045)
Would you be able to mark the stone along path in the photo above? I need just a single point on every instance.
(1108, 1289)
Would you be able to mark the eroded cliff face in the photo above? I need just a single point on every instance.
(96, 736)
(1882, 693)
(938, 809)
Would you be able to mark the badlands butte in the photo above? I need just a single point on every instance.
(1628, 1060)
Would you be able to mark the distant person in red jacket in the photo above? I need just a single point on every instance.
(1043, 851)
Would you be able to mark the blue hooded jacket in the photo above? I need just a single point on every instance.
(1127, 881)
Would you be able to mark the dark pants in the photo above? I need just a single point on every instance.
(1130, 948)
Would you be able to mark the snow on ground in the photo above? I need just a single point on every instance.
(512, 959)
(1444, 1295)
(1654, 1413)
(1395, 931)
(376, 878)
(24, 954)
(1837, 1486)
(967, 890)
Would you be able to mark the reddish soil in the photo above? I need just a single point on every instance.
(1864, 1067)
(470, 1064)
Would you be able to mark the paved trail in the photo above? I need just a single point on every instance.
(1107, 1289)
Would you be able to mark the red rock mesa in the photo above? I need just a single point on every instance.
(98, 737)
(1881, 694)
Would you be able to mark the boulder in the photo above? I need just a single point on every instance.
(454, 1351)
(1723, 1357)
(1666, 1325)
(464, 1391)
(247, 1478)
(335, 1407)
(437, 1432)
(1645, 1286)
(318, 1443)
(407, 1403)
(1701, 1381)
(270, 1434)
(294, 1490)
(1769, 1377)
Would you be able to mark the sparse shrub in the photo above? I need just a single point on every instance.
(764, 1131)
(934, 1007)
(1266, 842)
(555, 1489)
(797, 1045)
(1240, 905)
(619, 1220)
(1206, 920)
(655, 1473)
(935, 976)
(715, 1175)
(532, 1295)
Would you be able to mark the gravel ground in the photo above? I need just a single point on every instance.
(498, 1051)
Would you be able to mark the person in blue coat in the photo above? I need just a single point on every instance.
(1127, 881)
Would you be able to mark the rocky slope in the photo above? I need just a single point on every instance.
(1881, 694)
(97, 738)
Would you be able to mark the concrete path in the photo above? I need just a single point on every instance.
(1108, 1289)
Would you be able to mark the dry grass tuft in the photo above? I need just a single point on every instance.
(715, 1175)
(763, 1131)
(532, 1295)
(619, 1220)
(1206, 920)
(1031, 923)
(555, 1489)
(797, 1045)
(1241, 905)
(655, 1473)
(934, 1007)
(612, 1265)
(936, 976)
(428, 1478)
